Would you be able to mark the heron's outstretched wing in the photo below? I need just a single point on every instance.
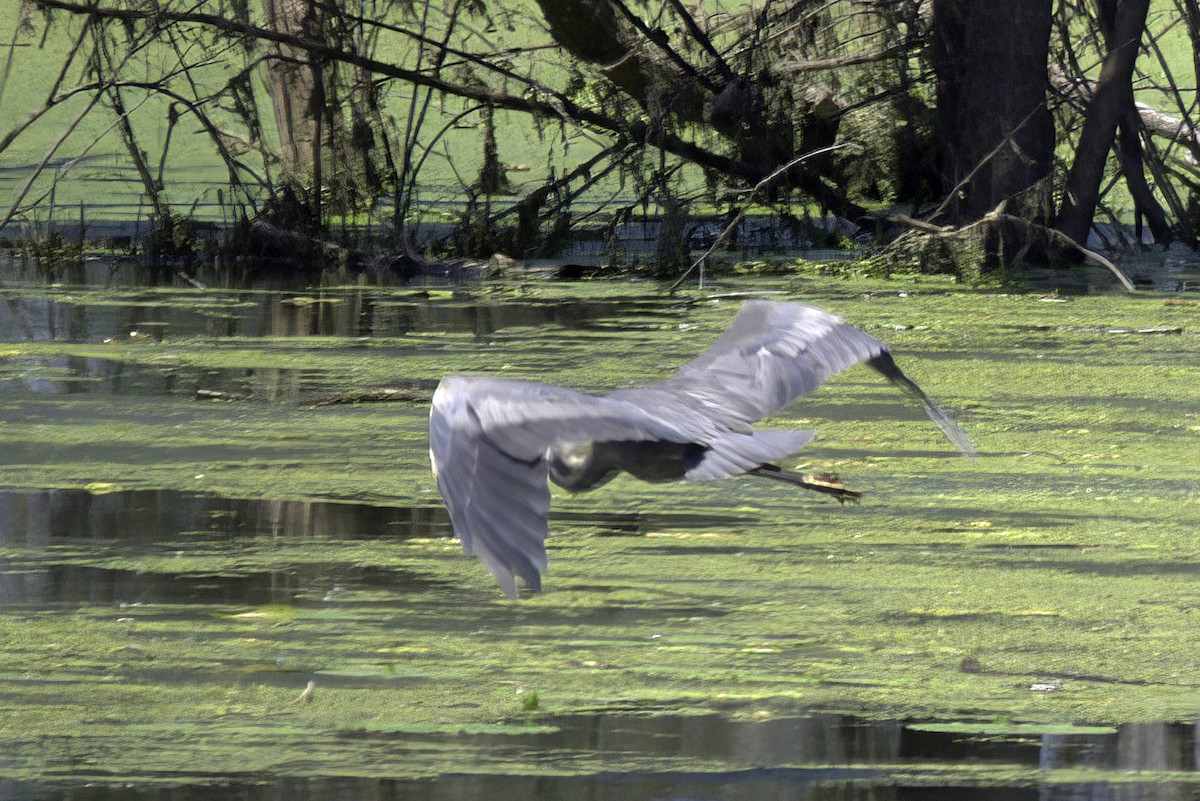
(488, 439)
(498, 505)
(770, 355)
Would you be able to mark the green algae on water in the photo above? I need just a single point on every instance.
(1049, 582)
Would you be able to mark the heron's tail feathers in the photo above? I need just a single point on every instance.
(886, 365)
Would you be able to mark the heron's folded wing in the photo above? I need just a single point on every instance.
(488, 438)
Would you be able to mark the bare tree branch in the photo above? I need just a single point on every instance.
(544, 102)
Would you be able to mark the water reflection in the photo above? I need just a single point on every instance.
(63, 547)
(621, 756)
(750, 785)
(38, 530)
(846, 741)
(74, 375)
(146, 319)
(59, 315)
(142, 515)
(60, 546)
(49, 585)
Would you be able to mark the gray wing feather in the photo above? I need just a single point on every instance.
(498, 504)
(770, 355)
(524, 418)
(488, 439)
(734, 453)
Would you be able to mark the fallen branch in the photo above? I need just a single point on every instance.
(1154, 121)
(999, 215)
(384, 395)
(1063, 239)
(1160, 330)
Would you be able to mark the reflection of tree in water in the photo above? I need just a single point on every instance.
(345, 313)
(342, 313)
(47, 529)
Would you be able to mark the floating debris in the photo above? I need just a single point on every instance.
(307, 695)
(1162, 330)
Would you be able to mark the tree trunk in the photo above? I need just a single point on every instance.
(992, 121)
(642, 63)
(291, 81)
(594, 32)
(1109, 104)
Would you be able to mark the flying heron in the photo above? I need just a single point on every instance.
(494, 442)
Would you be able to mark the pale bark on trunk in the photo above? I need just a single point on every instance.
(1155, 122)
(291, 81)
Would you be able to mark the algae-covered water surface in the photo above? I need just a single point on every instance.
(223, 560)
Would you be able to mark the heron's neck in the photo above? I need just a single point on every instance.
(574, 466)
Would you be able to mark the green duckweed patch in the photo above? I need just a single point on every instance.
(1051, 582)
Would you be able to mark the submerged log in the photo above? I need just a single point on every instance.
(385, 395)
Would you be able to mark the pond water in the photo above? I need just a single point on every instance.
(711, 757)
(213, 500)
(55, 546)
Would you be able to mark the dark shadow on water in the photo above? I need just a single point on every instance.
(74, 375)
(142, 319)
(707, 550)
(42, 585)
(749, 785)
(39, 517)
(628, 755)
(152, 515)
(638, 524)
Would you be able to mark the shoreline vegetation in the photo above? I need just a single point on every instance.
(519, 128)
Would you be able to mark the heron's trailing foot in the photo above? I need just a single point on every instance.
(828, 483)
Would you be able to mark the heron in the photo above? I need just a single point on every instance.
(494, 442)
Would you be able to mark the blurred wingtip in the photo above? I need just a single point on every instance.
(950, 429)
(953, 433)
(508, 584)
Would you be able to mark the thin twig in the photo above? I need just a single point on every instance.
(763, 184)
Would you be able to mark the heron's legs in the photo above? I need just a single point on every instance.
(827, 483)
